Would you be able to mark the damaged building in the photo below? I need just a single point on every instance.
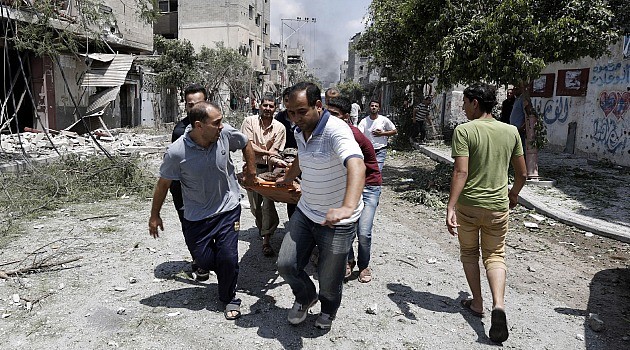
(94, 84)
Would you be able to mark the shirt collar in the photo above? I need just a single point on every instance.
(321, 124)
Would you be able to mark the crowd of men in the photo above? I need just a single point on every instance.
(339, 164)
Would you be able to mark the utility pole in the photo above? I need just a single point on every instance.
(294, 26)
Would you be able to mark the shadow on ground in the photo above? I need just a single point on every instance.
(404, 296)
(610, 299)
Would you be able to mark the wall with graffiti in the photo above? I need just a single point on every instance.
(602, 117)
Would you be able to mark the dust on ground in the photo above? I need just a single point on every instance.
(130, 291)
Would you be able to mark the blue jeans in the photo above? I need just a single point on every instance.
(381, 153)
(333, 244)
(371, 195)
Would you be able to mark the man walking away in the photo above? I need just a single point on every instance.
(479, 200)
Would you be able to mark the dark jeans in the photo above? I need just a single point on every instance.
(333, 245)
(419, 128)
(213, 243)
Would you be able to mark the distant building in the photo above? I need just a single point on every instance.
(358, 69)
(240, 24)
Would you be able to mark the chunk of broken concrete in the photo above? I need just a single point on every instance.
(595, 322)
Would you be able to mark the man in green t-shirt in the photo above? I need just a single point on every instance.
(479, 199)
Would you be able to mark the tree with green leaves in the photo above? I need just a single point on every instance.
(176, 63)
(222, 67)
(500, 41)
(497, 41)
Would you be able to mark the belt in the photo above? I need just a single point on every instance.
(262, 166)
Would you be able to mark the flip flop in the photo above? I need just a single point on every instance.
(232, 311)
(498, 329)
(466, 303)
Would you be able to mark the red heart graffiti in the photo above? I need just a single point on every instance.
(607, 101)
(623, 104)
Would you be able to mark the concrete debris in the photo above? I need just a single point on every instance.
(16, 298)
(37, 144)
(372, 309)
(121, 311)
(530, 224)
(5, 315)
(531, 269)
(588, 234)
(132, 280)
(120, 289)
(579, 337)
(595, 322)
(431, 261)
(173, 314)
(537, 217)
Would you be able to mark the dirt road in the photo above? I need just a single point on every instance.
(130, 291)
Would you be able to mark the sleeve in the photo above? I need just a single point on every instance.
(345, 145)
(237, 140)
(518, 148)
(460, 143)
(361, 126)
(170, 169)
(247, 129)
(281, 138)
(388, 125)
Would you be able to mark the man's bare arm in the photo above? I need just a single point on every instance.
(155, 221)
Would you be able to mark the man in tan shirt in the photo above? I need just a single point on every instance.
(268, 137)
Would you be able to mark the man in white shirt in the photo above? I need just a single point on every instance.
(333, 175)
(377, 129)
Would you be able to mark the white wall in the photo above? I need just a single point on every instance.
(602, 116)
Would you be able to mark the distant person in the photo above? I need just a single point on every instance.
(200, 160)
(506, 106)
(340, 107)
(517, 116)
(420, 115)
(193, 94)
(333, 175)
(377, 129)
(255, 106)
(268, 138)
(479, 201)
(354, 113)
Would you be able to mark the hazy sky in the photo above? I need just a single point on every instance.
(326, 39)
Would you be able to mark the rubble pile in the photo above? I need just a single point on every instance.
(288, 156)
(36, 144)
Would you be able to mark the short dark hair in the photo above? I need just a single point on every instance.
(199, 112)
(485, 94)
(268, 97)
(195, 88)
(332, 92)
(286, 92)
(375, 101)
(342, 103)
(313, 93)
